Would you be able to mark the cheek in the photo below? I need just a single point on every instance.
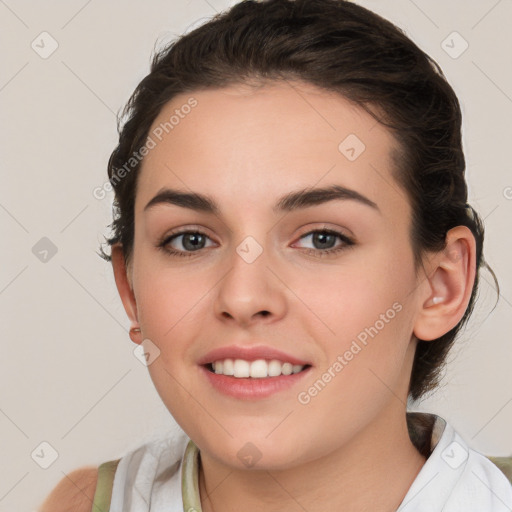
(168, 303)
(362, 312)
(365, 366)
(345, 300)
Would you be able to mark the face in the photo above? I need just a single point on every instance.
(265, 268)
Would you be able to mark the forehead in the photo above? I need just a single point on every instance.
(248, 142)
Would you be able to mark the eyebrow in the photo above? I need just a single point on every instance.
(293, 201)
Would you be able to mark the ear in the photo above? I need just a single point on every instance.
(123, 277)
(449, 285)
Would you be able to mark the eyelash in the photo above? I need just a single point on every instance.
(347, 243)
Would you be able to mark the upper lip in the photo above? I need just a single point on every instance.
(251, 353)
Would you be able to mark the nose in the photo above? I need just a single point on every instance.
(250, 292)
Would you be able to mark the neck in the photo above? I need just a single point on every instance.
(352, 478)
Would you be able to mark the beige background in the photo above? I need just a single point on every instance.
(67, 373)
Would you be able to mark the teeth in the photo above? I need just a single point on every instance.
(241, 368)
(228, 367)
(274, 368)
(258, 369)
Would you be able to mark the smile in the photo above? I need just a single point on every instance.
(258, 369)
(253, 380)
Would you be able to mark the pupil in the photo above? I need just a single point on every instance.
(321, 238)
(189, 243)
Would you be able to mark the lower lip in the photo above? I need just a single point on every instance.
(252, 388)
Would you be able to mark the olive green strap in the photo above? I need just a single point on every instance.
(103, 494)
(189, 479)
(505, 464)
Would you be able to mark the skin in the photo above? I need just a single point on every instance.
(246, 147)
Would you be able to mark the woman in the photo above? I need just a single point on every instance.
(295, 251)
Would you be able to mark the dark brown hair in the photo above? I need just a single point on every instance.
(342, 47)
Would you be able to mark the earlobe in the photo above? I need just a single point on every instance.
(450, 284)
(135, 335)
(124, 287)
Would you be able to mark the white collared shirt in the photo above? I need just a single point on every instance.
(455, 478)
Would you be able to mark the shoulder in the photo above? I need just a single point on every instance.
(74, 492)
(483, 485)
(504, 464)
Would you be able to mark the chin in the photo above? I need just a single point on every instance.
(254, 452)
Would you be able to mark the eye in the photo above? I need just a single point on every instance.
(324, 241)
(184, 243)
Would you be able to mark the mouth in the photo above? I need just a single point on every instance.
(257, 369)
(252, 372)
(253, 380)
